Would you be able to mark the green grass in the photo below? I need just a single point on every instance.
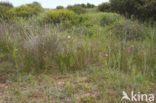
(83, 63)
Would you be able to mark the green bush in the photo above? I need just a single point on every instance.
(105, 7)
(77, 9)
(128, 30)
(59, 7)
(26, 10)
(110, 18)
(84, 21)
(142, 9)
(61, 16)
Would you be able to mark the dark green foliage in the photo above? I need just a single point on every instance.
(60, 16)
(59, 7)
(83, 5)
(128, 30)
(142, 9)
(4, 8)
(90, 5)
(36, 3)
(105, 7)
(26, 10)
(3, 13)
(77, 9)
(6, 4)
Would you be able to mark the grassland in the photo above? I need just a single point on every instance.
(90, 62)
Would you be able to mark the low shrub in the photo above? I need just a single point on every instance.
(84, 21)
(60, 16)
(26, 10)
(77, 9)
(110, 18)
(130, 30)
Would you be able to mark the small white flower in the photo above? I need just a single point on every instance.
(69, 36)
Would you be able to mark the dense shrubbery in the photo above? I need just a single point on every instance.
(60, 16)
(105, 7)
(3, 13)
(26, 10)
(77, 9)
(129, 30)
(4, 8)
(142, 9)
